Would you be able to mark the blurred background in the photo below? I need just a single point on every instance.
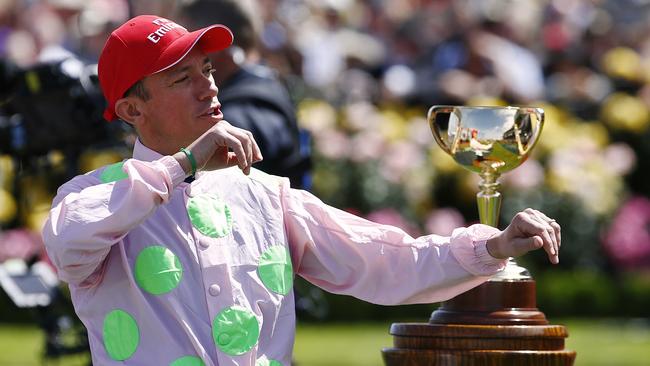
(362, 75)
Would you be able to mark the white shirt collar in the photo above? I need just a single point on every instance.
(144, 153)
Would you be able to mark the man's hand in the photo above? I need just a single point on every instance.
(211, 150)
(528, 230)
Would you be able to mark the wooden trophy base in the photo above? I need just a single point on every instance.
(496, 323)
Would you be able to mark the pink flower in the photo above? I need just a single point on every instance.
(20, 244)
(333, 144)
(361, 116)
(620, 158)
(389, 216)
(628, 239)
(444, 220)
(367, 145)
(399, 158)
(529, 175)
(420, 132)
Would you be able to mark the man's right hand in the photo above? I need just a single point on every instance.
(212, 149)
(529, 230)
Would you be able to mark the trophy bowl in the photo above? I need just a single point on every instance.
(486, 139)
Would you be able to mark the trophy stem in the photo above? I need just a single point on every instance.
(489, 198)
(489, 206)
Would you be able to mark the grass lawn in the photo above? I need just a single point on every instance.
(598, 342)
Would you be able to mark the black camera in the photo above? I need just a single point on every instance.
(55, 105)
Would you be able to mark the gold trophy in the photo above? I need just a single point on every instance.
(497, 322)
(488, 141)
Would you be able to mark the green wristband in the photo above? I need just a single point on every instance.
(190, 157)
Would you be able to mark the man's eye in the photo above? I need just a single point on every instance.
(209, 71)
(181, 80)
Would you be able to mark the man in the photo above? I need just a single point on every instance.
(164, 271)
(252, 96)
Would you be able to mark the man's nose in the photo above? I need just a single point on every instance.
(208, 89)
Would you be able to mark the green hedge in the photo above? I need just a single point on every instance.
(578, 293)
(591, 293)
(559, 294)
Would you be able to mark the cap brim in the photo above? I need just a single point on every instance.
(211, 39)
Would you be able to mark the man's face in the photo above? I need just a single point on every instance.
(183, 104)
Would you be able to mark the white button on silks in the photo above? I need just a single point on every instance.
(214, 290)
(204, 244)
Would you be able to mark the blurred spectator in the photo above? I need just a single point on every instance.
(363, 73)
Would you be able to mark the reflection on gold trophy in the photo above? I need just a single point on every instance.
(488, 141)
(496, 323)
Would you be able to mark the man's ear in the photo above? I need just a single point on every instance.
(128, 109)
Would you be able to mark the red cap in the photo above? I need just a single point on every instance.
(148, 44)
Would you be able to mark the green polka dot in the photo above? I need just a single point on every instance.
(235, 330)
(121, 335)
(210, 215)
(188, 361)
(264, 362)
(275, 269)
(113, 173)
(157, 270)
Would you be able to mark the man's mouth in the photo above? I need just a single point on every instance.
(212, 112)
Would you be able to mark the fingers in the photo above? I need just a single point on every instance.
(242, 147)
(531, 224)
(237, 147)
(525, 245)
(257, 153)
(554, 225)
(231, 159)
(241, 142)
(545, 222)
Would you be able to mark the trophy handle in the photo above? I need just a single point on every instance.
(539, 113)
(435, 128)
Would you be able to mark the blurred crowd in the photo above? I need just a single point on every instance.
(363, 74)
